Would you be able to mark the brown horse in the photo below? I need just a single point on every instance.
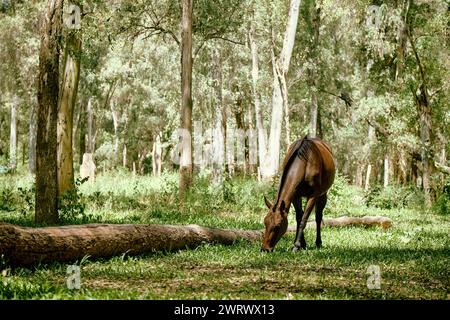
(308, 171)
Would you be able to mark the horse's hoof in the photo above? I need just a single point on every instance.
(295, 248)
(318, 245)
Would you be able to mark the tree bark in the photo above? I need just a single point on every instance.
(46, 209)
(82, 132)
(262, 145)
(13, 135)
(386, 171)
(90, 127)
(220, 127)
(32, 141)
(66, 109)
(157, 155)
(22, 246)
(313, 76)
(186, 100)
(273, 153)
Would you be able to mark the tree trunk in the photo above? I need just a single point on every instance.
(270, 168)
(21, 246)
(82, 132)
(90, 127)
(186, 100)
(218, 138)
(425, 137)
(32, 141)
(124, 156)
(157, 155)
(115, 119)
(46, 209)
(368, 173)
(13, 135)
(262, 138)
(313, 76)
(386, 171)
(65, 111)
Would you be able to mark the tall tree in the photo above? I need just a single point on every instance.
(13, 135)
(71, 76)
(186, 98)
(46, 209)
(272, 158)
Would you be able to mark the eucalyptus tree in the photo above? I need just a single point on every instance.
(46, 208)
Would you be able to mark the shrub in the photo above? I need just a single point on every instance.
(394, 197)
(71, 206)
(442, 203)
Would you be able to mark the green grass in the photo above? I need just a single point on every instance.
(413, 255)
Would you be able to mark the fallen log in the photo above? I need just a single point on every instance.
(26, 246)
(22, 246)
(367, 221)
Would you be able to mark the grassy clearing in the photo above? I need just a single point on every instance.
(414, 255)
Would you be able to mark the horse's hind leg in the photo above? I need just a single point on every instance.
(320, 205)
(301, 227)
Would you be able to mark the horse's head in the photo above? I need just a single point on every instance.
(276, 224)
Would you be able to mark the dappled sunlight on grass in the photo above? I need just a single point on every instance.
(413, 255)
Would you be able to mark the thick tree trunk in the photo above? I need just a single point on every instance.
(186, 169)
(46, 209)
(32, 141)
(13, 135)
(65, 111)
(282, 64)
(22, 246)
(82, 132)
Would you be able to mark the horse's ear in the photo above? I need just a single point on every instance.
(268, 204)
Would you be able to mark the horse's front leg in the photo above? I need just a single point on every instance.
(299, 244)
(297, 202)
(320, 205)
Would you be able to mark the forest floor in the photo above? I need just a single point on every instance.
(413, 256)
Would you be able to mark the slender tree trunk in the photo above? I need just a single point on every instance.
(262, 138)
(124, 156)
(82, 132)
(313, 74)
(32, 141)
(90, 127)
(368, 173)
(386, 171)
(273, 153)
(13, 135)
(65, 111)
(186, 100)
(423, 105)
(359, 175)
(115, 118)
(218, 139)
(157, 155)
(425, 137)
(46, 208)
(313, 112)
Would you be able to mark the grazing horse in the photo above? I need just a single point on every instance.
(308, 171)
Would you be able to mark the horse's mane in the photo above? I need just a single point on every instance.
(303, 149)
